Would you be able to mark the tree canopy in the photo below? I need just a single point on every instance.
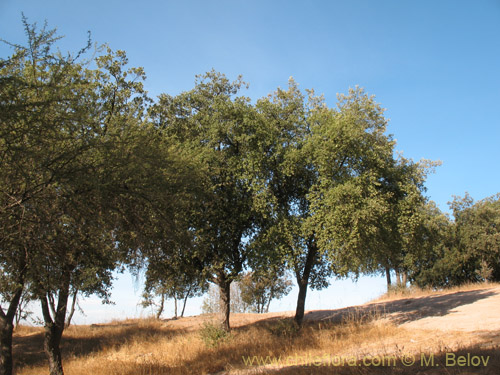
(206, 187)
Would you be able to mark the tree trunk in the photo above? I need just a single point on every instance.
(388, 277)
(54, 326)
(72, 309)
(162, 304)
(398, 277)
(225, 301)
(51, 345)
(301, 302)
(175, 307)
(303, 281)
(6, 330)
(268, 303)
(185, 300)
(405, 278)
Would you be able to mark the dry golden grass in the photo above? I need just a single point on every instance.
(152, 347)
(149, 346)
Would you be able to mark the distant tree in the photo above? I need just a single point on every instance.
(463, 250)
(213, 304)
(402, 233)
(258, 289)
(478, 234)
(179, 285)
(427, 266)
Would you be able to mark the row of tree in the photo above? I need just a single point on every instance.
(463, 250)
(200, 187)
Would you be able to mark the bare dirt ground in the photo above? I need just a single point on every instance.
(444, 321)
(441, 321)
(471, 311)
(467, 311)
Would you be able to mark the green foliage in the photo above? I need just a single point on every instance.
(478, 233)
(79, 174)
(258, 289)
(213, 334)
(462, 251)
(197, 187)
(286, 328)
(214, 126)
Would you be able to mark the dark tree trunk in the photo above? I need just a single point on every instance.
(54, 326)
(405, 278)
(268, 303)
(51, 345)
(185, 300)
(303, 281)
(301, 302)
(388, 277)
(6, 330)
(225, 301)
(162, 304)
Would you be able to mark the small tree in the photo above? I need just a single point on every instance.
(258, 289)
(214, 304)
(468, 246)
(179, 287)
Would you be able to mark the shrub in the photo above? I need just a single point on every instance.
(212, 334)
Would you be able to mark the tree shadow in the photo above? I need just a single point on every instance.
(466, 361)
(403, 310)
(28, 349)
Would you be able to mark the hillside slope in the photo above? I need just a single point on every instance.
(459, 322)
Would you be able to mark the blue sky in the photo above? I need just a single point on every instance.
(433, 64)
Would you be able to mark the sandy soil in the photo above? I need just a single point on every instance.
(448, 320)
(468, 311)
(465, 311)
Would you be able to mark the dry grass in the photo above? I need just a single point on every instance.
(153, 347)
(149, 346)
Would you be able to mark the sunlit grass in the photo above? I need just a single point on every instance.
(150, 346)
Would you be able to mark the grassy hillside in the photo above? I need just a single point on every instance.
(364, 340)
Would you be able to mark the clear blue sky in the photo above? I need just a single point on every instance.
(435, 65)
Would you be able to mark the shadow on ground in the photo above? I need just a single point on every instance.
(28, 349)
(404, 310)
(472, 360)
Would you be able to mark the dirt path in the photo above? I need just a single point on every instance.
(466, 311)
(476, 310)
